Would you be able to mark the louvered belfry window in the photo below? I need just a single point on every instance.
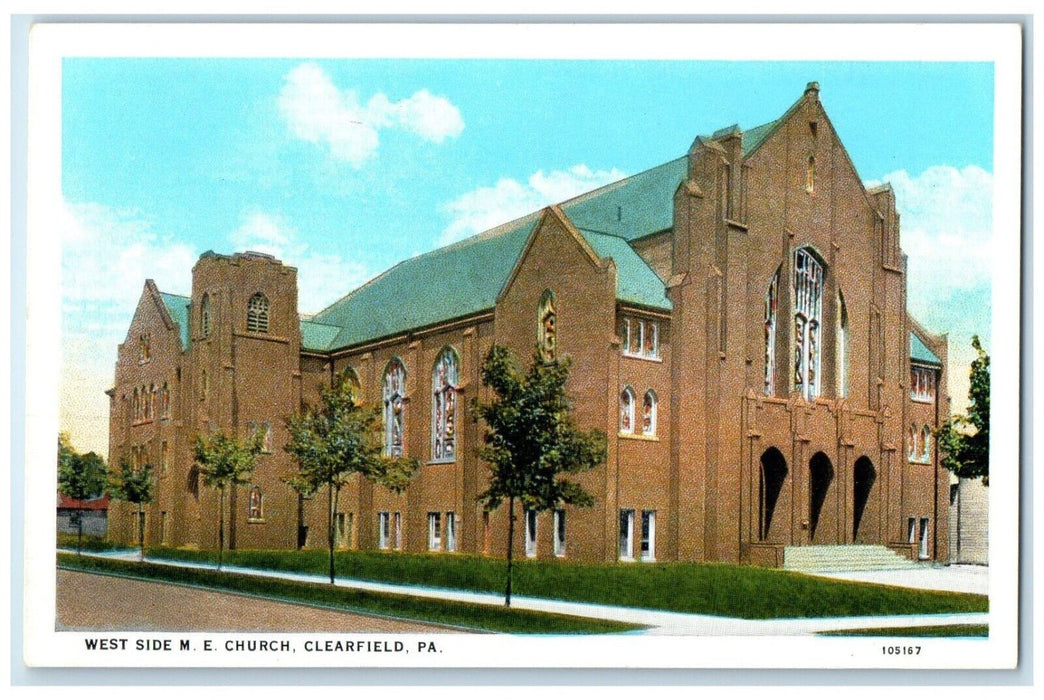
(808, 310)
(257, 314)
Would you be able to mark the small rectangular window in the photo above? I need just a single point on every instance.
(640, 338)
(451, 532)
(383, 529)
(434, 532)
(648, 552)
(164, 457)
(560, 532)
(531, 532)
(911, 528)
(398, 530)
(626, 534)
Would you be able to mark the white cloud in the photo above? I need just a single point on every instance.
(106, 256)
(321, 278)
(485, 207)
(947, 224)
(947, 230)
(318, 112)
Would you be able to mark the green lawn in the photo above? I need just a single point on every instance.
(924, 631)
(471, 616)
(712, 589)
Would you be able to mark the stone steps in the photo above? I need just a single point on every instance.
(852, 557)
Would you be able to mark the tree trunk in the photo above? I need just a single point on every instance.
(141, 532)
(510, 541)
(331, 505)
(221, 529)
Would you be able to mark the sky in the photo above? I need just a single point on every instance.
(342, 168)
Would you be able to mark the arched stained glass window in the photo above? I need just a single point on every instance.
(926, 444)
(444, 379)
(771, 313)
(547, 335)
(808, 309)
(627, 411)
(257, 314)
(394, 396)
(649, 413)
(165, 401)
(256, 504)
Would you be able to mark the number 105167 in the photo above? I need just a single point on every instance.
(900, 650)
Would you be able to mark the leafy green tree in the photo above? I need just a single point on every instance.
(530, 440)
(336, 440)
(80, 477)
(226, 461)
(137, 486)
(965, 438)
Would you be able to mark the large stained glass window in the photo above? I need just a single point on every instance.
(394, 395)
(808, 309)
(444, 378)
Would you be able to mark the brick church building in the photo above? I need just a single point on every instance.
(737, 324)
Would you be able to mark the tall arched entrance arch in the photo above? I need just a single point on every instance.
(864, 502)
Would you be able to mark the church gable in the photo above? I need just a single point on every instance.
(153, 327)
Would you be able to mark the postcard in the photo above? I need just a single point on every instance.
(496, 345)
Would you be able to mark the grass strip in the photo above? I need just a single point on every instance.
(728, 590)
(91, 543)
(469, 615)
(923, 631)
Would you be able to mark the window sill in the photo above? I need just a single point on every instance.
(627, 559)
(255, 521)
(647, 358)
(648, 560)
(441, 461)
(922, 399)
(638, 436)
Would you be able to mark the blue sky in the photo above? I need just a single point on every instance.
(344, 167)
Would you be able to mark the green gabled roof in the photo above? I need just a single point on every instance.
(178, 308)
(317, 336)
(919, 352)
(635, 280)
(753, 138)
(451, 282)
(631, 208)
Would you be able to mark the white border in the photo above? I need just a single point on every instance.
(998, 43)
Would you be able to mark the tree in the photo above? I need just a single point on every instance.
(530, 440)
(226, 461)
(965, 438)
(335, 441)
(137, 486)
(80, 477)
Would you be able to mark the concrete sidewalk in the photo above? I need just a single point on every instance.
(659, 622)
(959, 578)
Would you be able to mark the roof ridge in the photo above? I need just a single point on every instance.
(488, 234)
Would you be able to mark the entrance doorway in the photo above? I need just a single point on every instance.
(864, 477)
(821, 475)
(773, 474)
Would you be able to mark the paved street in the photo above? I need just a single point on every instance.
(94, 602)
